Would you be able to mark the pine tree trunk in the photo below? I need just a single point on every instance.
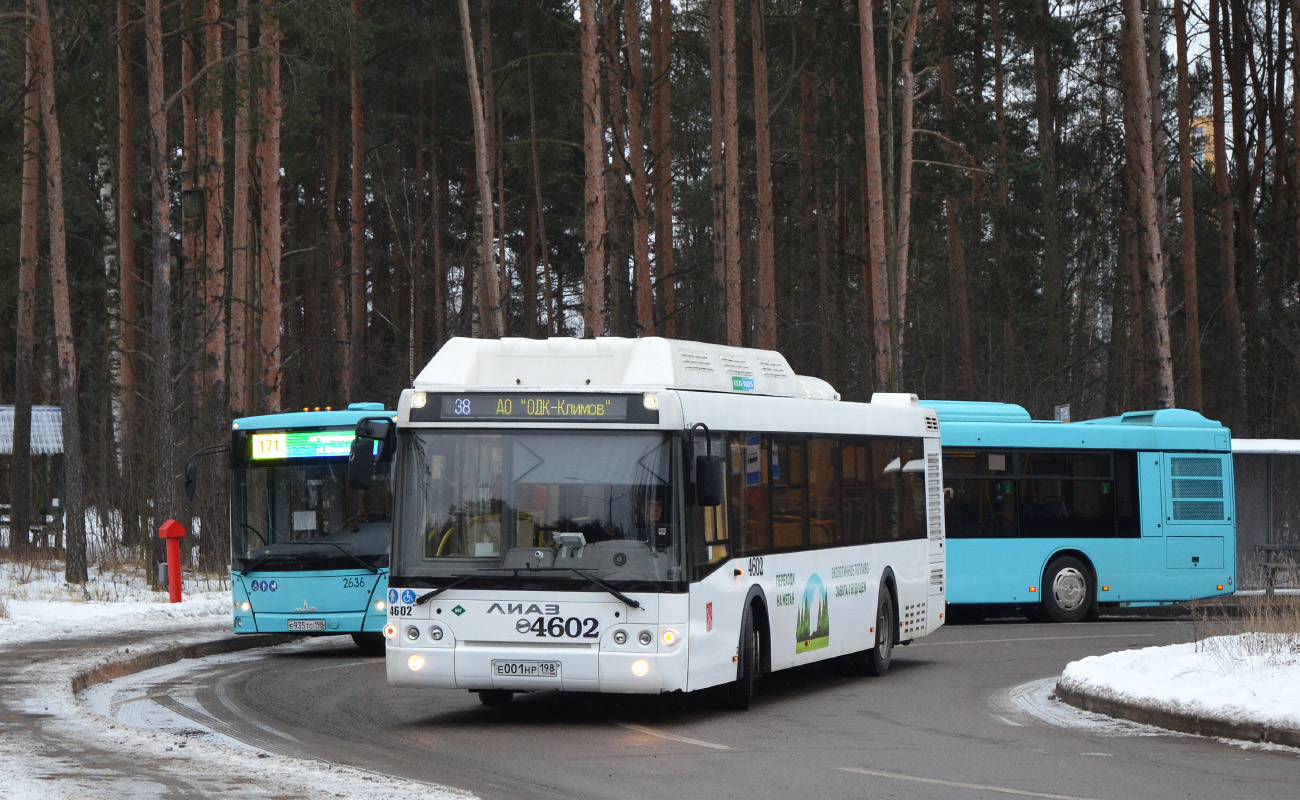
(731, 183)
(20, 471)
(645, 321)
(240, 218)
(1227, 248)
(212, 182)
(74, 516)
(436, 194)
(357, 228)
(269, 159)
(489, 289)
(809, 307)
(548, 326)
(661, 146)
(718, 171)
(903, 228)
(339, 281)
(960, 296)
(594, 200)
(877, 276)
(1187, 211)
(1148, 225)
(766, 249)
(1053, 263)
(126, 267)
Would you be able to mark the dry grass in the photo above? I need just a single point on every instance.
(1265, 631)
(4, 609)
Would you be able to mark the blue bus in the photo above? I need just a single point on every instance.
(1065, 518)
(308, 555)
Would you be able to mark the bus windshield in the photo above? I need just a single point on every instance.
(537, 506)
(303, 517)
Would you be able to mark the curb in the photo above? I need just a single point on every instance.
(150, 659)
(1196, 724)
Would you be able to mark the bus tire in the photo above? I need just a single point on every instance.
(881, 653)
(493, 698)
(369, 642)
(749, 664)
(1067, 589)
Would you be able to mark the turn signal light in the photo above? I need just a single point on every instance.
(670, 637)
(1033, 589)
(390, 631)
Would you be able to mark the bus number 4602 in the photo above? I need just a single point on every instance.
(561, 627)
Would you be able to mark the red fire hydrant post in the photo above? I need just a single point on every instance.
(172, 531)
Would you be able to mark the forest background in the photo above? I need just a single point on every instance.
(212, 208)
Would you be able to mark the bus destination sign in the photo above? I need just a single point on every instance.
(301, 444)
(520, 407)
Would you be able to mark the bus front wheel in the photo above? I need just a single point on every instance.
(1067, 590)
(882, 653)
(749, 654)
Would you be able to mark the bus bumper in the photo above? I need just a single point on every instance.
(624, 670)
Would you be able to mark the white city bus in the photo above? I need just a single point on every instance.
(650, 515)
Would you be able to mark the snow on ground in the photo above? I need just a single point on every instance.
(1243, 677)
(36, 605)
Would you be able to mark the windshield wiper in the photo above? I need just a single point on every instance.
(604, 585)
(373, 569)
(427, 596)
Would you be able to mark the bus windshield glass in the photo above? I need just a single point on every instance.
(302, 516)
(537, 506)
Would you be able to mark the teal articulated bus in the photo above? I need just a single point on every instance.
(1065, 519)
(308, 555)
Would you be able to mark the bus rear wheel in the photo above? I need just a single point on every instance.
(881, 654)
(495, 697)
(749, 654)
(1067, 590)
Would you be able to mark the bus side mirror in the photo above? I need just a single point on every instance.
(708, 480)
(361, 458)
(191, 480)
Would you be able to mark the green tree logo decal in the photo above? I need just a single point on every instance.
(812, 630)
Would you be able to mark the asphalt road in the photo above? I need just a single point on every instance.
(942, 724)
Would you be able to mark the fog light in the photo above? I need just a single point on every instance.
(416, 663)
(670, 637)
(640, 667)
(239, 623)
(620, 638)
(413, 633)
(645, 638)
(380, 605)
(390, 631)
(435, 633)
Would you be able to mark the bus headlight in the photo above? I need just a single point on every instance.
(413, 633)
(620, 638)
(380, 605)
(419, 399)
(416, 663)
(640, 667)
(245, 606)
(669, 636)
(390, 631)
(435, 633)
(650, 401)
